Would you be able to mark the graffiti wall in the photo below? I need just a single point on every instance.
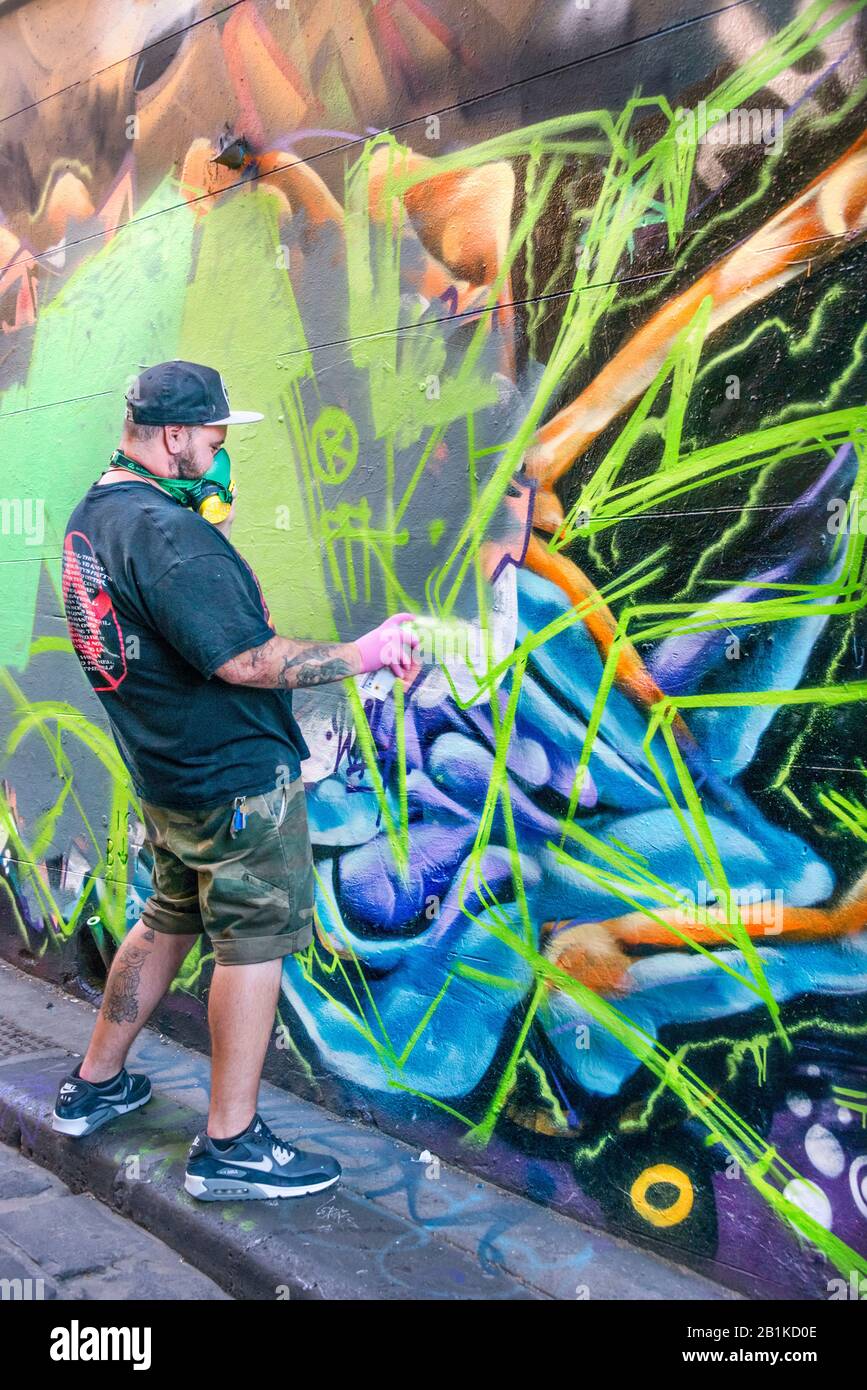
(557, 316)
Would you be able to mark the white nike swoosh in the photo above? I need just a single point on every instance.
(264, 1163)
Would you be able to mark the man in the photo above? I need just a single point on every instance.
(171, 628)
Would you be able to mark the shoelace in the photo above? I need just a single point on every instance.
(278, 1148)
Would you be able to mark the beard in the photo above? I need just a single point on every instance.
(184, 466)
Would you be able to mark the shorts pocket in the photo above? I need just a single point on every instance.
(266, 885)
(284, 804)
(281, 801)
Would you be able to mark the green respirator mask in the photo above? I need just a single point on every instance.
(211, 495)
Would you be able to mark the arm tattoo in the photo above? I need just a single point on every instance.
(120, 1004)
(286, 664)
(314, 666)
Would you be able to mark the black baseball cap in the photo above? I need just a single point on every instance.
(183, 393)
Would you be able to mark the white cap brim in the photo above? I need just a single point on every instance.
(238, 417)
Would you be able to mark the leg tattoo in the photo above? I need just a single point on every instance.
(120, 1004)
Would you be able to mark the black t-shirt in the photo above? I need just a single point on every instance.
(156, 599)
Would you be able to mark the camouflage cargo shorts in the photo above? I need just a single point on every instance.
(252, 891)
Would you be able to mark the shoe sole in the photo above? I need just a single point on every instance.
(84, 1124)
(219, 1189)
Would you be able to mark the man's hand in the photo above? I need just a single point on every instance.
(392, 644)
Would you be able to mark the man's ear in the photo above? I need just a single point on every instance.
(175, 437)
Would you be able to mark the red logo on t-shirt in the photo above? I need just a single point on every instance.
(90, 614)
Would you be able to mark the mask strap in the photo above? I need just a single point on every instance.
(179, 491)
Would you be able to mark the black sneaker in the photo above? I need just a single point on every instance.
(257, 1165)
(81, 1107)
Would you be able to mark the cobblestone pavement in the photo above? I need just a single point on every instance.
(56, 1244)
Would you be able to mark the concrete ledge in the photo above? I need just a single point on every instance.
(384, 1232)
(334, 1246)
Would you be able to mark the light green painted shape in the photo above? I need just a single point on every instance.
(242, 318)
(119, 311)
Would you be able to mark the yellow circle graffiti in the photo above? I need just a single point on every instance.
(335, 444)
(678, 1210)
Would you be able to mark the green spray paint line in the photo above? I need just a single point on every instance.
(287, 1044)
(852, 815)
(796, 345)
(259, 306)
(739, 527)
(840, 597)
(632, 582)
(49, 719)
(547, 1094)
(191, 969)
(16, 915)
(480, 1134)
(730, 458)
(674, 900)
(757, 1159)
(798, 805)
(680, 365)
(798, 742)
(718, 879)
(800, 125)
(739, 1052)
(399, 842)
(615, 218)
(432, 1101)
(387, 1051)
